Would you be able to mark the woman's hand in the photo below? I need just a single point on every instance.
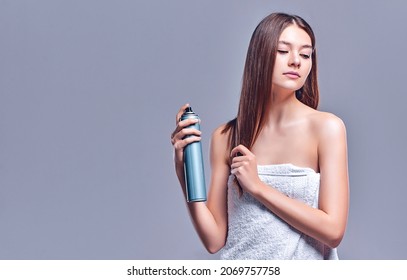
(244, 167)
(178, 137)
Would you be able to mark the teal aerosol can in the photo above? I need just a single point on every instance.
(193, 164)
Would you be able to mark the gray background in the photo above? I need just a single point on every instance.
(88, 96)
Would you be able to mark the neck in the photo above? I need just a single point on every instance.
(282, 108)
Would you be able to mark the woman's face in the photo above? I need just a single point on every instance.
(293, 59)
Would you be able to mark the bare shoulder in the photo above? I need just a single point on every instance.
(221, 134)
(328, 128)
(327, 124)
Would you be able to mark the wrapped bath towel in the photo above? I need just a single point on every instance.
(254, 232)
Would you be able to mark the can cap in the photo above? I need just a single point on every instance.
(188, 113)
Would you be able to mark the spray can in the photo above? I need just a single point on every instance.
(193, 164)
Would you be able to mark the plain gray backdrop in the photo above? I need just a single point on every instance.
(89, 90)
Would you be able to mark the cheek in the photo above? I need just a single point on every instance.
(278, 63)
(307, 69)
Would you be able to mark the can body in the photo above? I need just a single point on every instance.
(194, 165)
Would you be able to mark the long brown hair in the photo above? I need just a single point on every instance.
(256, 85)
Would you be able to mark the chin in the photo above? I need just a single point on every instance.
(285, 87)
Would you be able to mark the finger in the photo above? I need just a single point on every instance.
(185, 128)
(239, 159)
(180, 112)
(235, 171)
(187, 122)
(183, 124)
(183, 143)
(240, 149)
(187, 132)
(236, 165)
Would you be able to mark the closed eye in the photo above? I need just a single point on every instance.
(282, 51)
(306, 56)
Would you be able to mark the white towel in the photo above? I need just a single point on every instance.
(254, 232)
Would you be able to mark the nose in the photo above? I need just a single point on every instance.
(294, 60)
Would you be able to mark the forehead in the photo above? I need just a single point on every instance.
(295, 35)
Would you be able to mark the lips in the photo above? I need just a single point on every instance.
(292, 74)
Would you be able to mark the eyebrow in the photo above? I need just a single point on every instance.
(289, 44)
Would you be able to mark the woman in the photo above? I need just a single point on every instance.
(279, 182)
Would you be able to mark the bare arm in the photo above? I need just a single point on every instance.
(210, 218)
(327, 223)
